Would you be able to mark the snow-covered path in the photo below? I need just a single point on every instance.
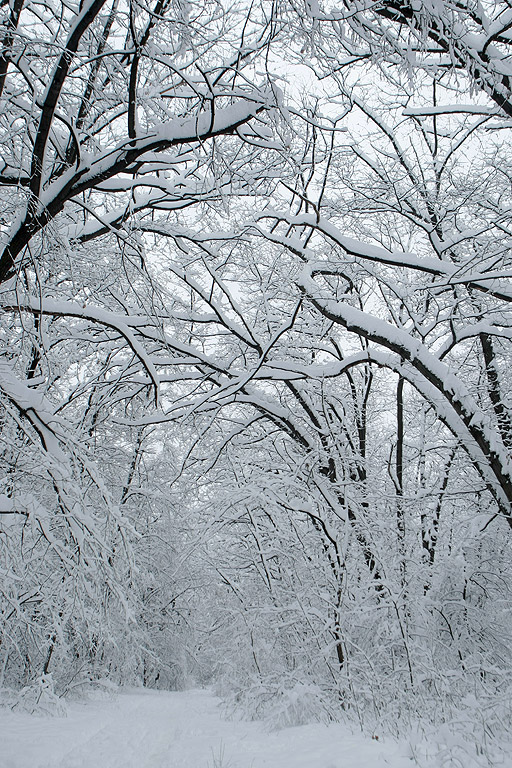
(153, 729)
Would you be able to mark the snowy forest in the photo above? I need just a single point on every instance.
(255, 385)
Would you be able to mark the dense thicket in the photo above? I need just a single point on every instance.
(254, 384)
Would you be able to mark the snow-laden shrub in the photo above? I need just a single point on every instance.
(280, 701)
(40, 698)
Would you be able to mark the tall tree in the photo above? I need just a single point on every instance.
(112, 116)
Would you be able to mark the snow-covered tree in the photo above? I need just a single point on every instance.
(114, 118)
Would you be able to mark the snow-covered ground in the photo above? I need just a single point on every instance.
(155, 729)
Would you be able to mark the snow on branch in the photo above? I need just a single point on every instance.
(452, 274)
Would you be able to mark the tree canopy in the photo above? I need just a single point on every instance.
(255, 348)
